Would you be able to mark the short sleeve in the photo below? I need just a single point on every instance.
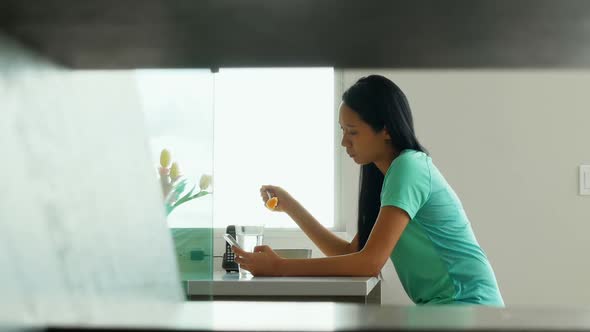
(407, 183)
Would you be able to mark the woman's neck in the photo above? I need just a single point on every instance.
(383, 164)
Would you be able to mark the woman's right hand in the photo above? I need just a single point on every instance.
(286, 202)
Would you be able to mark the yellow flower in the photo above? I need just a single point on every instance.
(165, 158)
(175, 171)
(205, 181)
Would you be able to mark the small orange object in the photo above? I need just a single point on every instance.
(272, 203)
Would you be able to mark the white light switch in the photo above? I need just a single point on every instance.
(584, 179)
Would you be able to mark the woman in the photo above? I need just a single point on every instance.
(407, 211)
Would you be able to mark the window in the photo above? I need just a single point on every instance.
(248, 127)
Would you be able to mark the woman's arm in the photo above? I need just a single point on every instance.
(324, 239)
(388, 228)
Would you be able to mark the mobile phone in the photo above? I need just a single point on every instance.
(228, 263)
(231, 240)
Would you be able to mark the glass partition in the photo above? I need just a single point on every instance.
(259, 121)
(178, 110)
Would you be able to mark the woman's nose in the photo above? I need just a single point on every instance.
(344, 142)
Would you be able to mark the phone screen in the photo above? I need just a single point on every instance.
(231, 240)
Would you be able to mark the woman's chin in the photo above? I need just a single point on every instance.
(357, 160)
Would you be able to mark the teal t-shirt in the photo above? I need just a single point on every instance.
(437, 258)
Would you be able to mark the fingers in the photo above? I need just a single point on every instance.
(242, 257)
(246, 267)
(242, 260)
(263, 248)
(249, 268)
(239, 251)
(267, 192)
(268, 188)
(264, 194)
(245, 258)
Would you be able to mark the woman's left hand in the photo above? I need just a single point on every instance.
(262, 262)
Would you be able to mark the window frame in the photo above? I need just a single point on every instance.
(344, 226)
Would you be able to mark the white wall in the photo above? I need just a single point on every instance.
(509, 143)
(81, 217)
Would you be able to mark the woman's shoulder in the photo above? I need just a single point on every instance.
(409, 157)
(410, 161)
(412, 154)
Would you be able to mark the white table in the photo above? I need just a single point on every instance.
(229, 286)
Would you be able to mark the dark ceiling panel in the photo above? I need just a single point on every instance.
(341, 33)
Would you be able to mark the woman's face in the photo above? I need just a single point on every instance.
(362, 143)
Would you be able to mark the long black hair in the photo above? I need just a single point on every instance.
(381, 104)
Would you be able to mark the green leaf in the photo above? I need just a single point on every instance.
(197, 195)
(179, 187)
(200, 194)
(186, 197)
(175, 191)
(169, 208)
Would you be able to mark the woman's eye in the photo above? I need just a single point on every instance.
(345, 132)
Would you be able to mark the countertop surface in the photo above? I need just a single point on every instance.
(232, 284)
(322, 316)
